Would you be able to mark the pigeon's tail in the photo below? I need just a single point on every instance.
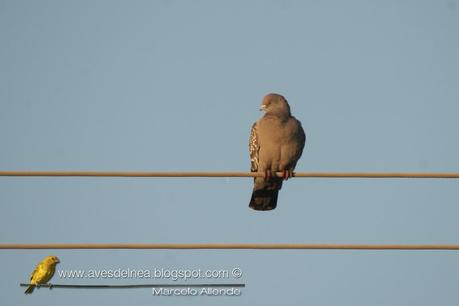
(264, 199)
(264, 195)
(29, 289)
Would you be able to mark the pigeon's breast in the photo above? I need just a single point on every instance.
(278, 132)
(271, 131)
(272, 136)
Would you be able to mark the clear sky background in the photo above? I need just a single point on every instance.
(176, 85)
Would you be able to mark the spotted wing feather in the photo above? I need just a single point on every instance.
(254, 148)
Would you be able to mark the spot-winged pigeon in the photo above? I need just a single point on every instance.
(276, 142)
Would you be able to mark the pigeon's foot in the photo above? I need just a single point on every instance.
(268, 175)
(287, 174)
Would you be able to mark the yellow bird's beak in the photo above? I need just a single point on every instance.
(263, 107)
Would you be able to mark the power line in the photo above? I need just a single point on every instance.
(231, 246)
(431, 175)
(281, 246)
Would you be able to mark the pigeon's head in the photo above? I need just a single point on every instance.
(275, 104)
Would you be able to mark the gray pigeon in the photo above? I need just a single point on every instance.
(275, 145)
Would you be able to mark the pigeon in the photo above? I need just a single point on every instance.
(276, 143)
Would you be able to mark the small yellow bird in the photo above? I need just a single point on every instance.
(43, 272)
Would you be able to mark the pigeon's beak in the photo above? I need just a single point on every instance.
(263, 107)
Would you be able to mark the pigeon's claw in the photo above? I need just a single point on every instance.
(268, 174)
(287, 174)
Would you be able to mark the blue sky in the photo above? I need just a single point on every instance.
(176, 85)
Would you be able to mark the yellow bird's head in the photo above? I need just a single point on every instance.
(51, 260)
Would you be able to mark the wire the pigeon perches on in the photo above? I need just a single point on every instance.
(426, 175)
